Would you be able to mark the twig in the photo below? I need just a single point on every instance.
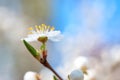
(46, 64)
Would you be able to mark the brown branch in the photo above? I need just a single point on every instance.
(46, 64)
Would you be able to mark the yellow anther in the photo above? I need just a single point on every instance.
(52, 29)
(35, 26)
(30, 33)
(48, 27)
(40, 28)
(30, 28)
(43, 25)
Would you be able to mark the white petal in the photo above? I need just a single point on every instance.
(33, 37)
(81, 61)
(56, 38)
(91, 75)
(55, 35)
(41, 35)
(30, 39)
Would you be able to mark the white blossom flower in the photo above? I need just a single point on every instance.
(31, 76)
(43, 31)
(82, 63)
(76, 75)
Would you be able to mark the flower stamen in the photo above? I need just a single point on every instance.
(41, 28)
(37, 28)
(43, 31)
(52, 29)
(48, 28)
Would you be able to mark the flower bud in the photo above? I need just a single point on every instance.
(76, 75)
(31, 76)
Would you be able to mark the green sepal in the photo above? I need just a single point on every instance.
(31, 49)
(55, 78)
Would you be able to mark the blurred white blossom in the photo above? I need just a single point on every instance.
(76, 75)
(46, 74)
(82, 63)
(32, 76)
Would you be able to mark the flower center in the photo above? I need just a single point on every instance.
(84, 69)
(43, 39)
(41, 29)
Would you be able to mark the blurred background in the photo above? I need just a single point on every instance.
(91, 28)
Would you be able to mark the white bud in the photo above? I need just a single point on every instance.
(76, 75)
(31, 76)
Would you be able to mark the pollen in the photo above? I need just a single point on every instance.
(30, 28)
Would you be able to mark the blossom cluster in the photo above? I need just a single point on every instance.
(43, 33)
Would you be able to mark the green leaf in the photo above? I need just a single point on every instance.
(30, 49)
(55, 78)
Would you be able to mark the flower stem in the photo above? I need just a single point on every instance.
(46, 64)
(44, 61)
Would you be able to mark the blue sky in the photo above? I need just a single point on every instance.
(110, 27)
(88, 19)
